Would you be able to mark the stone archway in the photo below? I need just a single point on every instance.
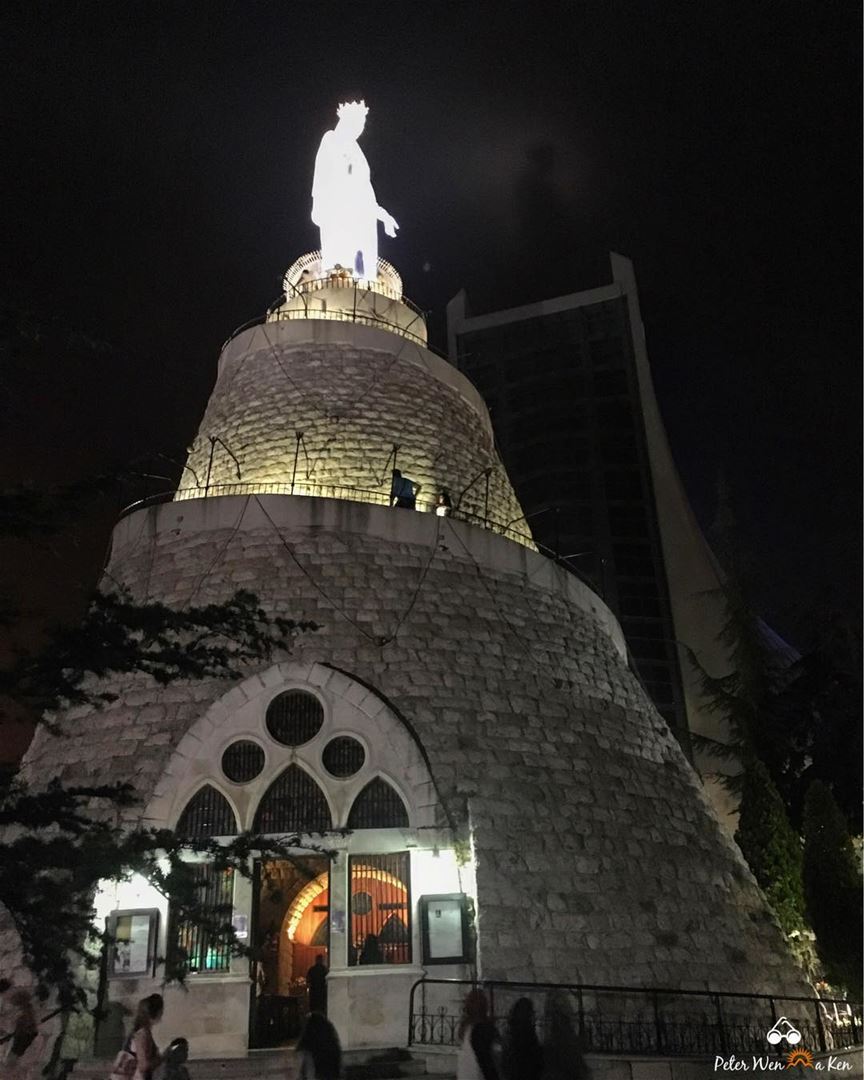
(300, 930)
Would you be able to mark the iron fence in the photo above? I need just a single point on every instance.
(363, 316)
(643, 1021)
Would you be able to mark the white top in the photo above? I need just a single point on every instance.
(467, 1067)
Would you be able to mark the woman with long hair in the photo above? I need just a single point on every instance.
(320, 1051)
(140, 1055)
(477, 1038)
(523, 1055)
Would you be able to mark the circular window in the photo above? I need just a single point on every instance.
(294, 717)
(242, 761)
(361, 903)
(343, 756)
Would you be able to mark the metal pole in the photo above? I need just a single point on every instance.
(823, 1043)
(299, 435)
(721, 1028)
(658, 1024)
(486, 500)
(210, 463)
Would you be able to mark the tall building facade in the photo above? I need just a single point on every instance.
(569, 388)
(476, 785)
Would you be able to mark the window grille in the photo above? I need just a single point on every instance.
(207, 814)
(378, 806)
(294, 717)
(380, 909)
(343, 756)
(293, 803)
(205, 948)
(242, 761)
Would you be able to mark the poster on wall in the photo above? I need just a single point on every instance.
(133, 949)
(444, 928)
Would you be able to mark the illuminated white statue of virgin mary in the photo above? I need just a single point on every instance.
(344, 206)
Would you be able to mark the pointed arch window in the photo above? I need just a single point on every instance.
(378, 806)
(208, 813)
(293, 803)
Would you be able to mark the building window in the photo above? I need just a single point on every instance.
(293, 803)
(343, 756)
(380, 909)
(294, 717)
(243, 761)
(207, 814)
(378, 806)
(202, 946)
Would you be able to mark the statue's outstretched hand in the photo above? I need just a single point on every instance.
(389, 222)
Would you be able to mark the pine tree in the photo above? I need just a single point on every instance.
(745, 696)
(771, 847)
(832, 884)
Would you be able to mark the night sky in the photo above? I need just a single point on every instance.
(158, 163)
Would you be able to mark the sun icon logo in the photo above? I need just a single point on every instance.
(799, 1057)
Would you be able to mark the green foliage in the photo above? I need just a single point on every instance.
(771, 846)
(802, 717)
(819, 708)
(744, 695)
(832, 884)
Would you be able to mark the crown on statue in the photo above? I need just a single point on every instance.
(347, 108)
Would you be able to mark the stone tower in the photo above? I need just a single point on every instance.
(463, 731)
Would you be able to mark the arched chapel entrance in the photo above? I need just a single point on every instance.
(303, 751)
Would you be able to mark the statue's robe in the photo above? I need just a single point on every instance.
(344, 207)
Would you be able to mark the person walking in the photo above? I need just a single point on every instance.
(522, 1058)
(562, 1048)
(403, 491)
(477, 1038)
(371, 951)
(319, 1049)
(140, 1055)
(316, 981)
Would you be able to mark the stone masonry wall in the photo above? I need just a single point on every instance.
(353, 399)
(598, 858)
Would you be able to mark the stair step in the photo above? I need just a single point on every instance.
(385, 1069)
(392, 1064)
(246, 1068)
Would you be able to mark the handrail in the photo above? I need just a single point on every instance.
(274, 314)
(662, 1027)
(334, 281)
(607, 988)
(364, 318)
